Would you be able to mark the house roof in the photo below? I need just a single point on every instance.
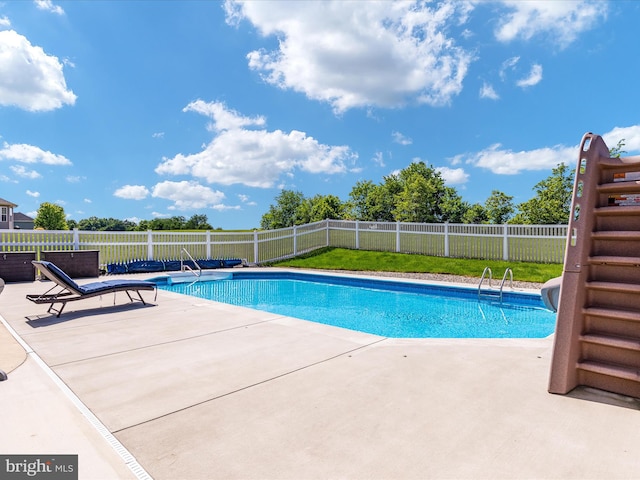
(7, 203)
(21, 217)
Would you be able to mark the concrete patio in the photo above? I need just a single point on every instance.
(194, 389)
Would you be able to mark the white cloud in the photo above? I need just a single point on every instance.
(245, 199)
(49, 6)
(563, 21)
(87, 200)
(5, 22)
(221, 206)
(453, 176)
(75, 178)
(187, 195)
(507, 162)
(21, 171)
(507, 65)
(33, 194)
(24, 153)
(503, 161)
(487, 91)
(534, 77)
(256, 158)
(630, 136)
(378, 159)
(360, 54)
(132, 192)
(31, 79)
(157, 135)
(223, 117)
(401, 139)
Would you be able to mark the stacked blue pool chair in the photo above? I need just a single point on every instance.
(152, 266)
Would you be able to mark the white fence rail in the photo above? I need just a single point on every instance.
(527, 243)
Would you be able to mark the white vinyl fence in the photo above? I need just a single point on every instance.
(527, 243)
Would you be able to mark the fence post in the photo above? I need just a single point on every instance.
(397, 237)
(505, 242)
(295, 239)
(357, 235)
(76, 239)
(328, 239)
(208, 245)
(149, 244)
(255, 246)
(446, 239)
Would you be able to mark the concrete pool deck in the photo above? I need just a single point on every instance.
(194, 389)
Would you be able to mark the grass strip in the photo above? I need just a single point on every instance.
(369, 261)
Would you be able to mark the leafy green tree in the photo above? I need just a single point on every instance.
(421, 196)
(283, 213)
(106, 224)
(617, 151)
(414, 203)
(382, 199)
(91, 224)
(71, 224)
(499, 207)
(50, 217)
(114, 224)
(362, 201)
(453, 207)
(143, 226)
(475, 214)
(198, 222)
(171, 223)
(552, 203)
(321, 207)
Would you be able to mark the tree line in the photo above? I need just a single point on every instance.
(415, 194)
(418, 194)
(52, 217)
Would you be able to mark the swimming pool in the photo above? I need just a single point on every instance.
(381, 307)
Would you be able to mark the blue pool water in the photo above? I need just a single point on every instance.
(381, 307)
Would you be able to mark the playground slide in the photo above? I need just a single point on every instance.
(597, 339)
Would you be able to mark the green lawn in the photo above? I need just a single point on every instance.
(362, 260)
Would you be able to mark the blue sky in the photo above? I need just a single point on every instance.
(143, 109)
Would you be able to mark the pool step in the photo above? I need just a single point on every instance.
(490, 293)
(490, 296)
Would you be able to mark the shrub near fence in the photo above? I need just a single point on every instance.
(523, 243)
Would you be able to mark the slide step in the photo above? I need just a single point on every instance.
(619, 187)
(628, 210)
(610, 341)
(614, 287)
(615, 260)
(610, 370)
(612, 314)
(616, 235)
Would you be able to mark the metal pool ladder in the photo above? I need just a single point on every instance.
(490, 293)
(184, 268)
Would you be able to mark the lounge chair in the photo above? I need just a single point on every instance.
(70, 291)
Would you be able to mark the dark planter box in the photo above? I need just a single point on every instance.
(75, 263)
(17, 266)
